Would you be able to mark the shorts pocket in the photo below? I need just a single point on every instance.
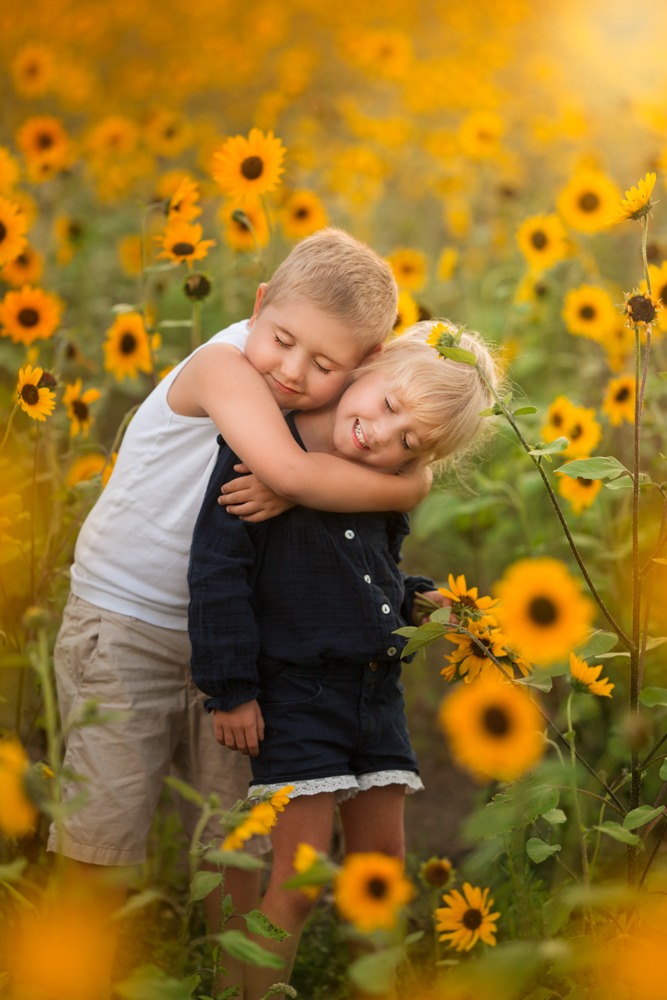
(289, 687)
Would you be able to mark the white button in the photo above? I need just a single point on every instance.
(367, 578)
(392, 651)
(349, 533)
(385, 609)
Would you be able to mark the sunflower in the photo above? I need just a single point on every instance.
(542, 611)
(258, 822)
(84, 467)
(184, 202)
(543, 241)
(466, 918)
(131, 254)
(245, 168)
(45, 146)
(464, 597)
(113, 137)
(33, 70)
(18, 815)
(447, 262)
(579, 492)
(29, 314)
(583, 432)
(586, 201)
(13, 225)
(468, 661)
(127, 348)
(558, 418)
(619, 345)
(69, 234)
(37, 400)
(586, 678)
(436, 873)
(619, 400)
(409, 268)
(408, 312)
(493, 728)
(247, 228)
(302, 215)
(27, 268)
(281, 798)
(658, 278)
(588, 311)
(78, 407)
(370, 890)
(637, 202)
(182, 242)
(167, 133)
(9, 171)
(305, 858)
(640, 309)
(480, 135)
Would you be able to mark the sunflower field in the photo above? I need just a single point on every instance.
(509, 160)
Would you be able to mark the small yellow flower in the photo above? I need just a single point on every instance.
(586, 678)
(637, 202)
(467, 918)
(35, 399)
(17, 813)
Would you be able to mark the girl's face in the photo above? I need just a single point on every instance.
(372, 425)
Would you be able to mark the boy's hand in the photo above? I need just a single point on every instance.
(249, 499)
(421, 613)
(241, 729)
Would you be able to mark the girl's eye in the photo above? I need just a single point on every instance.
(282, 343)
(321, 368)
(405, 443)
(388, 406)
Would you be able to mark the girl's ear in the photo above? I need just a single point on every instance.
(372, 355)
(259, 297)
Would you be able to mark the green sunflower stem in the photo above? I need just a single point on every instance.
(575, 793)
(624, 638)
(644, 253)
(195, 334)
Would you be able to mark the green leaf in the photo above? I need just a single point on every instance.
(442, 615)
(374, 973)
(189, 793)
(239, 946)
(149, 982)
(655, 641)
(663, 562)
(137, 902)
(525, 409)
(652, 696)
(258, 924)
(319, 873)
(600, 467)
(515, 809)
(641, 815)
(203, 884)
(619, 833)
(662, 773)
(491, 411)
(458, 354)
(235, 859)
(553, 448)
(175, 323)
(538, 680)
(662, 375)
(554, 817)
(423, 636)
(12, 871)
(598, 642)
(538, 850)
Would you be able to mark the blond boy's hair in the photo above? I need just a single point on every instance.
(344, 278)
(446, 395)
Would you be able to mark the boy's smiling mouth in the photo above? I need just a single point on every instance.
(359, 437)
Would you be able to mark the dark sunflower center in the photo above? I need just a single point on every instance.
(587, 312)
(127, 343)
(22, 260)
(589, 202)
(302, 213)
(252, 167)
(169, 132)
(74, 230)
(28, 317)
(31, 69)
(44, 140)
(30, 395)
(80, 410)
(182, 249)
(539, 239)
(586, 483)
(496, 721)
(576, 431)
(377, 888)
(557, 420)
(641, 308)
(480, 653)
(542, 611)
(3, 231)
(472, 919)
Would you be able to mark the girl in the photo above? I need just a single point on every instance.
(293, 631)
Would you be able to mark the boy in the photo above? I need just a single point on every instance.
(123, 641)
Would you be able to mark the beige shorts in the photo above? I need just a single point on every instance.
(130, 666)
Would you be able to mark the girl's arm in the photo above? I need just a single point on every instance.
(219, 382)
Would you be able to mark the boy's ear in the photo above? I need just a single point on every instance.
(372, 354)
(259, 297)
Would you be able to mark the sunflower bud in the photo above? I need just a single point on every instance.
(197, 287)
(640, 309)
(436, 872)
(47, 381)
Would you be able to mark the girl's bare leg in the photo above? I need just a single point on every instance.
(307, 819)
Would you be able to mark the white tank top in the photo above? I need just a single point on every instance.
(132, 552)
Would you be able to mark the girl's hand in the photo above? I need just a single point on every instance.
(425, 603)
(240, 729)
(249, 499)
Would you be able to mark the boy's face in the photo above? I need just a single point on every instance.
(304, 354)
(372, 425)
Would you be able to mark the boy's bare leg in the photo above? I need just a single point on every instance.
(373, 821)
(307, 819)
(244, 889)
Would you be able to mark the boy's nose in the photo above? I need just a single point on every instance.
(293, 369)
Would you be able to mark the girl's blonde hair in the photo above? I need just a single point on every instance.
(446, 395)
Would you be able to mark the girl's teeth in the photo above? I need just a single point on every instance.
(360, 435)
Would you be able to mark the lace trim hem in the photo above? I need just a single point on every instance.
(344, 785)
